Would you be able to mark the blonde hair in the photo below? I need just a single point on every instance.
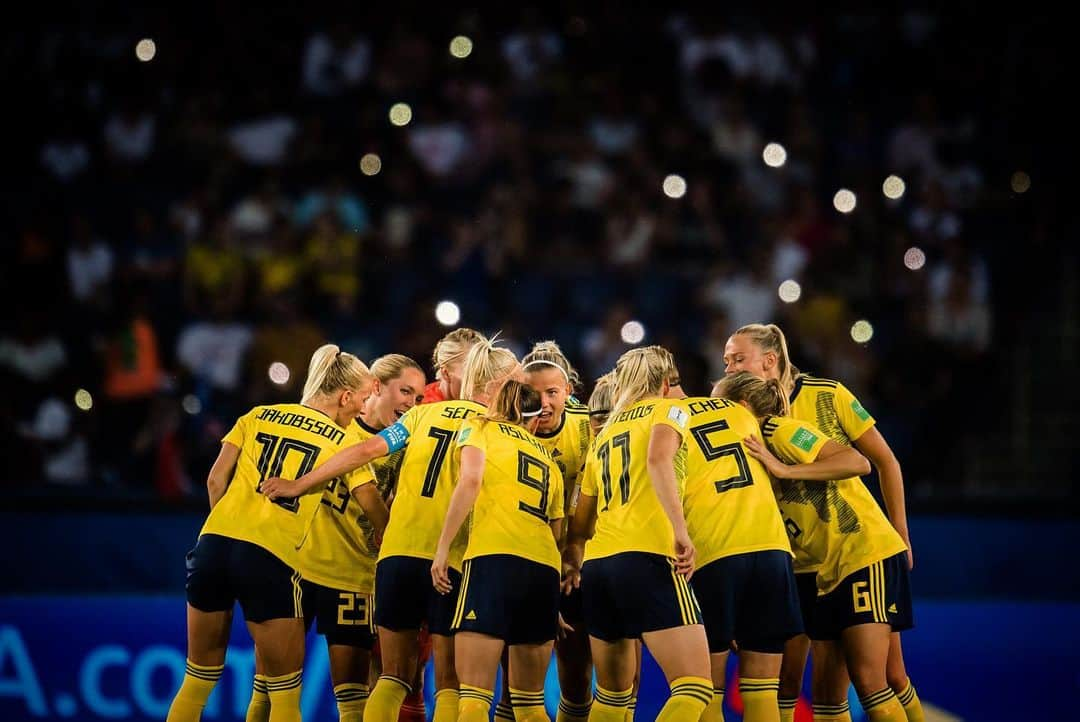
(515, 403)
(332, 369)
(453, 347)
(770, 338)
(389, 367)
(766, 397)
(640, 372)
(600, 400)
(485, 365)
(548, 353)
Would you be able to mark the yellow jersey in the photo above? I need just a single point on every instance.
(629, 515)
(340, 551)
(283, 440)
(520, 495)
(426, 480)
(836, 525)
(569, 446)
(829, 406)
(729, 503)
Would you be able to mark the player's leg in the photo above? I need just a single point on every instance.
(477, 657)
(866, 650)
(759, 682)
(280, 642)
(504, 709)
(714, 712)
(345, 619)
(402, 587)
(574, 660)
(528, 670)
(349, 668)
(399, 653)
(207, 637)
(683, 656)
(796, 652)
(829, 682)
(896, 673)
(613, 660)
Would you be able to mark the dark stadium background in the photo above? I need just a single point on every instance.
(179, 218)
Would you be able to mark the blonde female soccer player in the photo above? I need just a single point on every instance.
(862, 594)
(636, 565)
(763, 351)
(404, 599)
(509, 593)
(247, 550)
(448, 360)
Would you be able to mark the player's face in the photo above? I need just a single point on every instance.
(742, 354)
(398, 395)
(551, 384)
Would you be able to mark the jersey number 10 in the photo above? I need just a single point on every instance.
(275, 450)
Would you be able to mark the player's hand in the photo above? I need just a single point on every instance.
(757, 449)
(564, 628)
(276, 488)
(684, 554)
(440, 574)
(571, 580)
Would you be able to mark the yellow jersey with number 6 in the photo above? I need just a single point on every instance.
(520, 495)
(629, 515)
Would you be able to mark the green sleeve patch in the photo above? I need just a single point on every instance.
(859, 410)
(804, 439)
(464, 434)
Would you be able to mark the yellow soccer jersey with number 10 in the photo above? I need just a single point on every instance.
(630, 518)
(426, 481)
(520, 495)
(729, 503)
(836, 524)
(569, 447)
(283, 440)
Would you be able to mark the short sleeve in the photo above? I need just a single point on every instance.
(358, 477)
(240, 429)
(854, 419)
(673, 414)
(556, 493)
(797, 442)
(589, 487)
(471, 434)
(410, 419)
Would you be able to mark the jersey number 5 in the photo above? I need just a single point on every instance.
(622, 443)
(713, 452)
(443, 438)
(275, 450)
(535, 474)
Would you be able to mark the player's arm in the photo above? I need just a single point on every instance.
(834, 461)
(217, 481)
(375, 509)
(873, 444)
(582, 527)
(340, 464)
(664, 443)
(461, 503)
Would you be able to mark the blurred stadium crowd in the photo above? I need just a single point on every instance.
(187, 221)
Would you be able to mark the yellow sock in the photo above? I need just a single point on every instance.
(351, 699)
(610, 706)
(384, 702)
(714, 712)
(759, 699)
(504, 711)
(259, 707)
(689, 698)
(883, 706)
(787, 708)
(199, 681)
(912, 705)
(832, 713)
(572, 711)
(474, 703)
(528, 705)
(446, 706)
(284, 694)
(630, 709)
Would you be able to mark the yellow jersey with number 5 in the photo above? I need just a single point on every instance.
(629, 515)
(729, 503)
(283, 440)
(426, 480)
(520, 495)
(837, 525)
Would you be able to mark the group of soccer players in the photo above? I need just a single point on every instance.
(494, 515)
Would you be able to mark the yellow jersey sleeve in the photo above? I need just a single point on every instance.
(854, 419)
(358, 477)
(239, 432)
(556, 505)
(793, 441)
(589, 485)
(673, 414)
(470, 435)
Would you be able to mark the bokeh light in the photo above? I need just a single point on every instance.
(279, 373)
(1021, 182)
(447, 313)
(914, 258)
(400, 114)
(192, 405)
(674, 186)
(893, 187)
(370, 164)
(83, 400)
(790, 291)
(145, 50)
(461, 46)
(862, 331)
(844, 201)
(774, 155)
(633, 332)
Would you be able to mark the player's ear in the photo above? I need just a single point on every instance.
(768, 360)
(376, 387)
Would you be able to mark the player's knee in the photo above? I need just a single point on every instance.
(897, 678)
(445, 677)
(867, 678)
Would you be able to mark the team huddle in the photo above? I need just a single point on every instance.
(489, 519)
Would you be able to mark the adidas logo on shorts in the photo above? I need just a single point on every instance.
(471, 616)
(892, 609)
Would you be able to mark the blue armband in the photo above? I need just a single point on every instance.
(396, 436)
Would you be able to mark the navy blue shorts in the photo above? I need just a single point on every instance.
(510, 598)
(750, 599)
(879, 593)
(341, 616)
(405, 597)
(626, 595)
(806, 583)
(222, 571)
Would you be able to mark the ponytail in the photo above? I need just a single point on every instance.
(331, 370)
(515, 403)
(765, 397)
(600, 400)
(486, 367)
(453, 347)
(639, 373)
(769, 337)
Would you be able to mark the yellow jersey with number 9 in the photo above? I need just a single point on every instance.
(629, 515)
(426, 480)
(569, 447)
(286, 441)
(837, 525)
(729, 503)
(520, 495)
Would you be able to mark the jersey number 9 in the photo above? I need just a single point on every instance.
(535, 474)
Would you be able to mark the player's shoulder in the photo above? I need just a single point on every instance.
(770, 425)
(815, 382)
(577, 409)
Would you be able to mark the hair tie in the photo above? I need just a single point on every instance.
(539, 362)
